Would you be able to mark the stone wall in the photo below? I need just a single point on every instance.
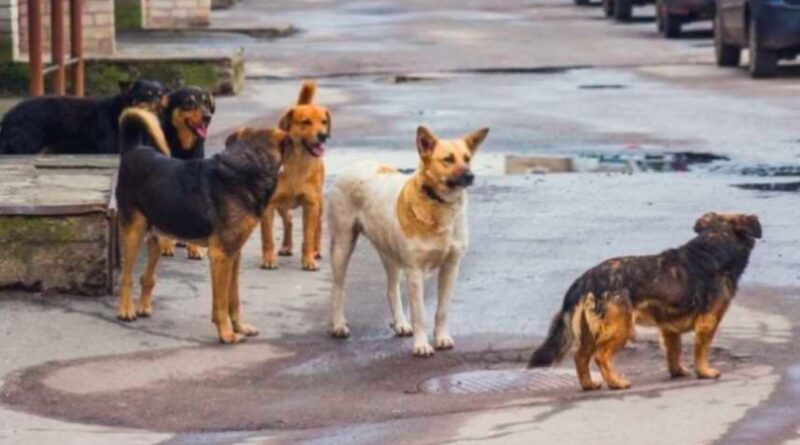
(98, 27)
(167, 14)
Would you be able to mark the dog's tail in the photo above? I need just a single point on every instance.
(307, 93)
(561, 336)
(138, 127)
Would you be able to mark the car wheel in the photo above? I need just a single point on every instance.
(763, 62)
(726, 55)
(608, 8)
(672, 25)
(623, 10)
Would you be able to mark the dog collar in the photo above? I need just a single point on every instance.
(431, 193)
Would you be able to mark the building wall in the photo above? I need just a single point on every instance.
(98, 27)
(8, 29)
(161, 14)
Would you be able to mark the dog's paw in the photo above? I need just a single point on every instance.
(402, 329)
(340, 331)
(619, 383)
(194, 252)
(679, 372)
(269, 264)
(285, 251)
(422, 350)
(127, 313)
(708, 373)
(310, 265)
(444, 341)
(230, 338)
(245, 329)
(144, 311)
(591, 385)
(167, 249)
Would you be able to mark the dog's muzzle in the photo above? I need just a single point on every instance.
(463, 180)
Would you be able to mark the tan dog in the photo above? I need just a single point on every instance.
(415, 223)
(301, 181)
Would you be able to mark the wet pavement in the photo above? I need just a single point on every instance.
(551, 80)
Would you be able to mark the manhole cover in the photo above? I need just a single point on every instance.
(491, 382)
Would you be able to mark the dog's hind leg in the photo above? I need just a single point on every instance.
(234, 306)
(616, 328)
(584, 354)
(288, 230)
(311, 220)
(447, 280)
(400, 325)
(704, 330)
(148, 278)
(268, 258)
(673, 349)
(318, 233)
(132, 232)
(416, 287)
(166, 246)
(344, 235)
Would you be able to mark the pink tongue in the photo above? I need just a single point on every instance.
(202, 131)
(318, 150)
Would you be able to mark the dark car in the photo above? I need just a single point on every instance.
(622, 10)
(769, 28)
(671, 15)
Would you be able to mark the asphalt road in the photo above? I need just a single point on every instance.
(549, 78)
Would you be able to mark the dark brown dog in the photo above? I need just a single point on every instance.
(679, 290)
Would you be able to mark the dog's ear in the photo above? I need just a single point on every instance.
(330, 123)
(704, 221)
(475, 139)
(426, 142)
(124, 85)
(286, 120)
(749, 225)
(233, 138)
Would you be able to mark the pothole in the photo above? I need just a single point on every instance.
(500, 382)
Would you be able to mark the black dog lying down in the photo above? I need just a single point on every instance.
(214, 202)
(678, 290)
(74, 125)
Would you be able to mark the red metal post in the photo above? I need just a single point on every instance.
(36, 85)
(76, 43)
(57, 43)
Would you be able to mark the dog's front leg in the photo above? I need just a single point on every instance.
(234, 306)
(268, 258)
(221, 273)
(447, 279)
(311, 219)
(415, 299)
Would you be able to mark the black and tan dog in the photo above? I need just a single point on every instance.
(185, 120)
(214, 202)
(679, 290)
(75, 125)
(301, 181)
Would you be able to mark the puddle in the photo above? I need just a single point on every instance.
(622, 162)
(772, 186)
(603, 86)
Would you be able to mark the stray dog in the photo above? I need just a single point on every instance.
(185, 120)
(415, 223)
(301, 181)
(214, 202)
(74, 125)
(678, 290)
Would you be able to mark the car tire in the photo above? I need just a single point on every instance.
(763, 62)
(608, 8)
(623, 10)
(672, 25)
(726, 55)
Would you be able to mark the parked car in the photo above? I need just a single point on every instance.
(622, 10)
(769, 28)
(671, 15)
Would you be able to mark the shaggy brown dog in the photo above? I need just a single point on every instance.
(678, 290)
(300, 183)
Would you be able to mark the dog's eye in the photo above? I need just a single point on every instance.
(306, 122)
(449, 159)
(466, 159)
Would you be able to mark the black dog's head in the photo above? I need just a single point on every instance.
(189, 110)
(740, 224)
(148, 94)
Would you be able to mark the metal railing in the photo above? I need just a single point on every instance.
(60, 64)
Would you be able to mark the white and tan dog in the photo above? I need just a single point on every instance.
(416, 224)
